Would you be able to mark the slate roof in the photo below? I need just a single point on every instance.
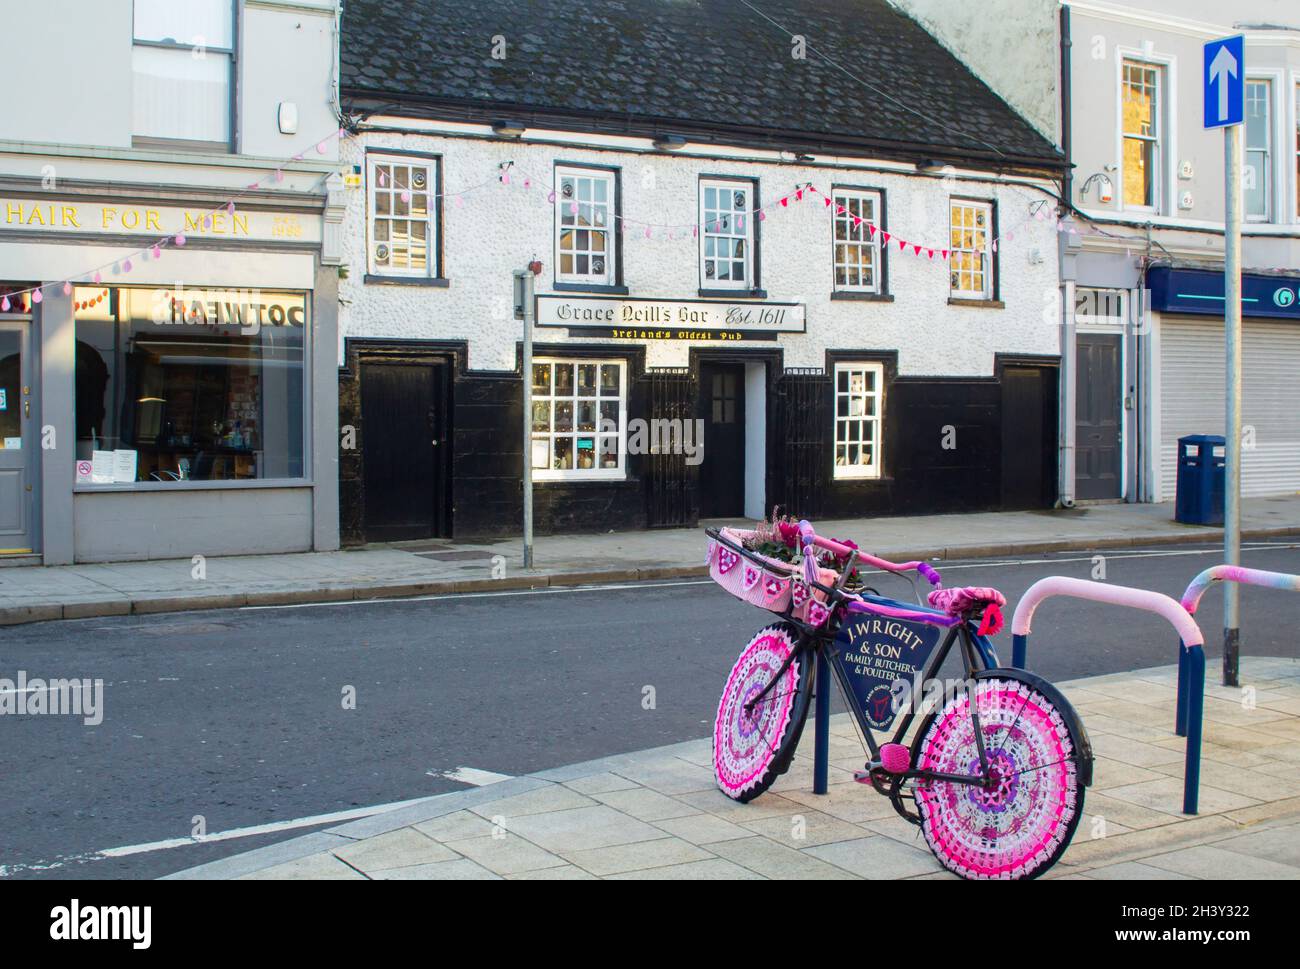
(687, 66)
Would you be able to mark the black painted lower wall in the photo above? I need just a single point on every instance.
(950, 445)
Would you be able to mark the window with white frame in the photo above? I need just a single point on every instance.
(859, 393)
(182, 63)
(726, 235)
(855, 247)
(584, 226)
(402, 215)
(970, 270)
(579, 422)
(1141, 115)
(1258, 172)
(1297, 151)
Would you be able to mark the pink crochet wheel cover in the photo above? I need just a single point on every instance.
(1019, 823)
(744, 746)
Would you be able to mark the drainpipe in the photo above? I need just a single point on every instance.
(1068, 381)
(1065, 464)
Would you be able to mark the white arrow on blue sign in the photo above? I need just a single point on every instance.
(1225, 82)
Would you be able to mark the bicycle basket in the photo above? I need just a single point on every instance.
(759, 580)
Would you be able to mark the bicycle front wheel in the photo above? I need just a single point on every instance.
(751, 749)
(1022, 821)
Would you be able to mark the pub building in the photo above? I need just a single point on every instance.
(828, 276)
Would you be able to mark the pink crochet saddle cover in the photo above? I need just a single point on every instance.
(964, 599)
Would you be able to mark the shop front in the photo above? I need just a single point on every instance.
(165, 402)
(1191, 374)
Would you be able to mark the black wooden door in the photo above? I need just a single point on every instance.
(405, 430)
(1097, 463)
(1028, 437)
(722, 475)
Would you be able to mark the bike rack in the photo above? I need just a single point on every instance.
(1192, 598)
(1191, 652)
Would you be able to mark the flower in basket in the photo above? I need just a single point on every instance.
(788, 533)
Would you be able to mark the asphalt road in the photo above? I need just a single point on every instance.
(238, 717)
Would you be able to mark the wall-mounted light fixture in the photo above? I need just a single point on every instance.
(508, 129)
(670, 142)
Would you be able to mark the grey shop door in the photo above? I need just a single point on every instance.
(1098, 469)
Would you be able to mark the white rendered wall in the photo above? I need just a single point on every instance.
(499, 228)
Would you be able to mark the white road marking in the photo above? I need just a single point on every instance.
(470, 775)
(631, 586)
(256, 829)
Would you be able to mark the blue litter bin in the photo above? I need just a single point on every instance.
(1202, 464)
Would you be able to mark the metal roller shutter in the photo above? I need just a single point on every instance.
(1192, 397)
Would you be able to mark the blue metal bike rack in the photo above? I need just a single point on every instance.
(822, 726)
(1189, 711)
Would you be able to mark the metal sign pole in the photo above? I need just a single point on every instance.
(1232, 334)
(524, 296)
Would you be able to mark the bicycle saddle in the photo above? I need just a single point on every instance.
(969, 600)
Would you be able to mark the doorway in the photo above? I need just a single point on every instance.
(406, 425)
(16, 440)
(722, 475)
(1099, 469)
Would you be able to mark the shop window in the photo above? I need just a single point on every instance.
(584, 226)
(182, 60)
(855, 248)
(859, 393)
(579, 419)
(970, 269)
(726, 235)
(189, 385)
(403, 216)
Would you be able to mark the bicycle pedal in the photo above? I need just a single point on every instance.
(895, 758)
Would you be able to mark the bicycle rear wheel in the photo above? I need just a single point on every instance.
(751, 750)
(1022, 823)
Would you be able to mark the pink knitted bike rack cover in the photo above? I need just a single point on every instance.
(1235, 573)
(1116, 595)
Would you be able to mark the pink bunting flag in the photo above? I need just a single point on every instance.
(550, 197)
(36, 295)
(157, 251)
(67, 289)
(4, 304)
(98, 279)
(884, 238)
(916, 249)
(180, 241)
(762, 215)
(902, 244)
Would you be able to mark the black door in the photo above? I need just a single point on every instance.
(722, 475)
(404, 424)
(1097, 468)
(1029, 445)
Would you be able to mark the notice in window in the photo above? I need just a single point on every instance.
(101, 467)
(124, 466)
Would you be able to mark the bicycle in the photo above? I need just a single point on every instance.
(996, 770)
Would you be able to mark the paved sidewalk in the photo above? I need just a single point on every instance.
(34, 593)
(656, 814)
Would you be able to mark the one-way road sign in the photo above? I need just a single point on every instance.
(1225, 82)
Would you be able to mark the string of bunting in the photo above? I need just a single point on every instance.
(1041, 210)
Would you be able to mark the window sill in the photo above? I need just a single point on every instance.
(621, 480)
(988, 304)
(225, 484)
(853, 295)
(438, 282)
(590, 288)
(733, 293)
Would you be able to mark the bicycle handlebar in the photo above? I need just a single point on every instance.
(808, 537)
